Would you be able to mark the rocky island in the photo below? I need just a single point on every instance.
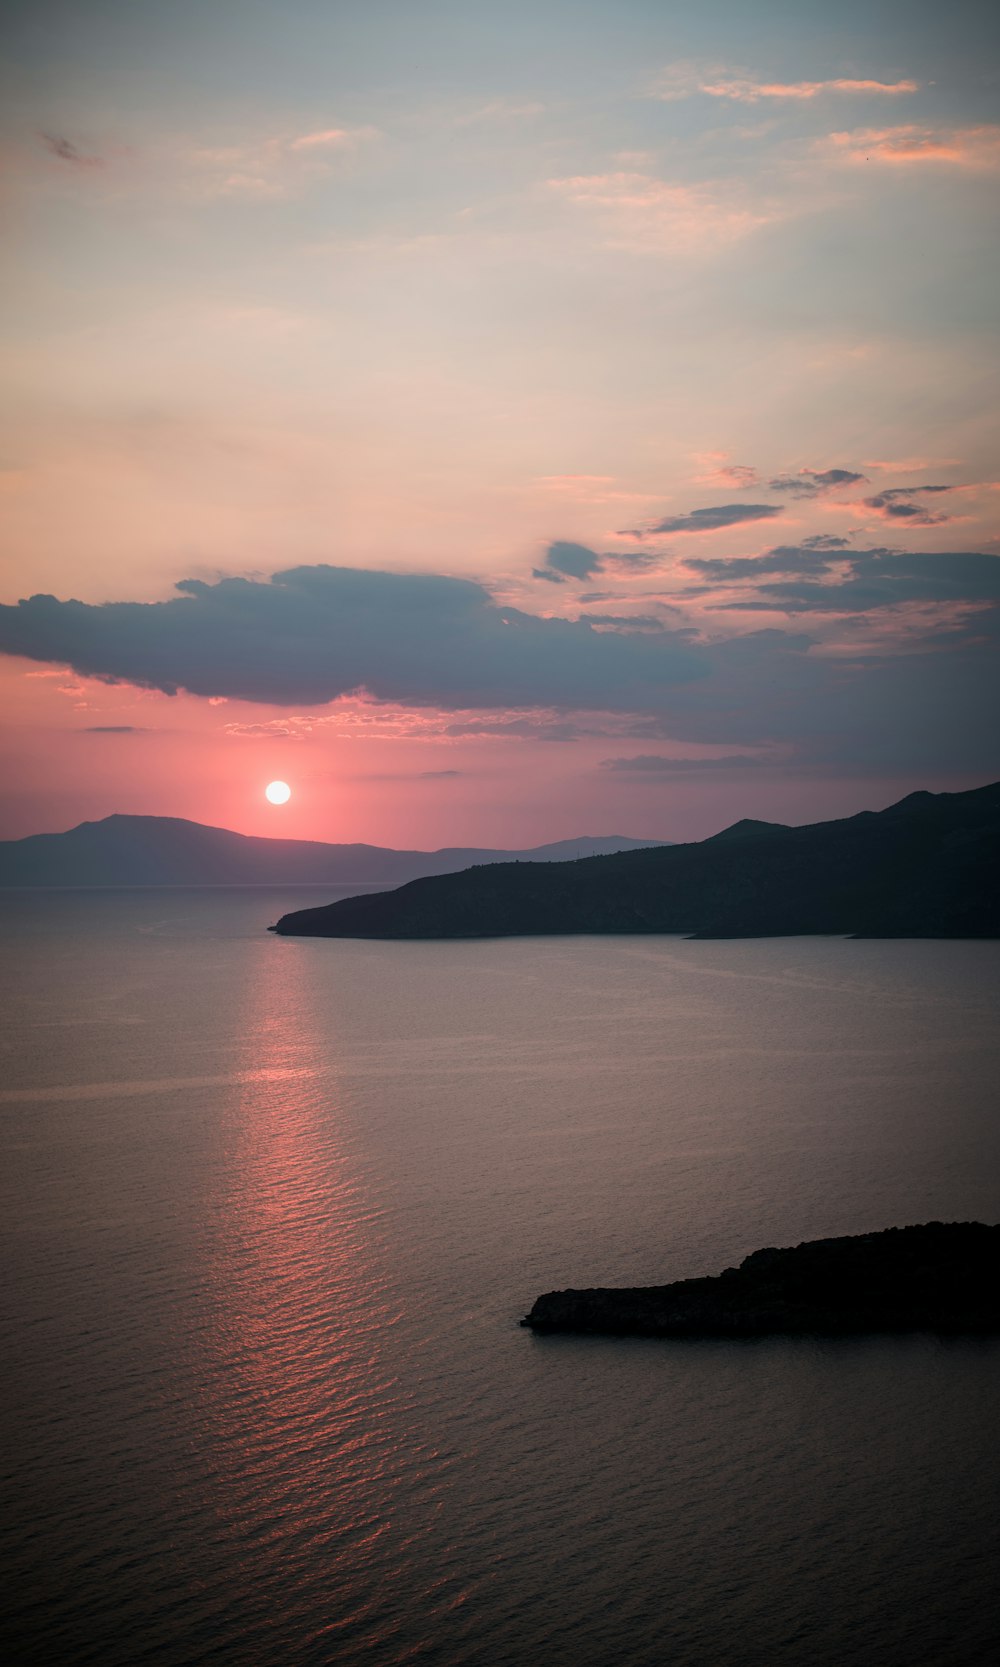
(941, 1277)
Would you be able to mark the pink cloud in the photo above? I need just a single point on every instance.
(962, 147)
(332, 138)
(717, 469)
(910, 465)
(683, 80)
(750, 92)
(276, 165)
(649, 212)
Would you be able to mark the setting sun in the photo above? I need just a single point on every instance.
(278, 792)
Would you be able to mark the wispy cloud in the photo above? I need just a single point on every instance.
(747, 91)
(501, 110)
(659, 764)
(67, 151)
(976, 148)
(712, 519)
(809, 557)
(332, 138)
(716, 469)
(274, 166)
(538, 726)
(900, 503)
(685, 80)
(291, 729)
(910, 465)
(643, 211)
(815, 483)
(860, 582)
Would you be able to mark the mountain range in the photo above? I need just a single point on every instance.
(166, 851)
(925, 867)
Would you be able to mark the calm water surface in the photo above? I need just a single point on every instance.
(271, 1212)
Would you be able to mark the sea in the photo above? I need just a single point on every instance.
(272, 1209)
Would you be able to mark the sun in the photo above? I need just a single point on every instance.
(278, 792)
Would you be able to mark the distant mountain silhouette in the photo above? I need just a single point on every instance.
(165, 851)
(926, 867)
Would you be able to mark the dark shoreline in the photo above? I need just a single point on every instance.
(941, 1277)
(925, 868)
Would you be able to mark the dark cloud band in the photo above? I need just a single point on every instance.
(314, 633)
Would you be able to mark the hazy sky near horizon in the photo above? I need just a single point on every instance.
(501, 423)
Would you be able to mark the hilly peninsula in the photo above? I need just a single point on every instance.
(942, 1276)
(926, 868)
(168, 851)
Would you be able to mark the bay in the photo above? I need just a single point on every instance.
(272, 1209)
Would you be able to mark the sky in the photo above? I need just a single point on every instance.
(501, 423)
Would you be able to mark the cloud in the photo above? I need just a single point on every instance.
(897, 504)
(538, 727)
(684, 80)
(747, 91)
(440, 775)
(784, 558)
(862, 692)
(812, 483)
(647, 213)
(736, 474)
(910, 465)
(270, 166)
(66, 151)
(865, 581)
(655, 764)
(976, 148)
(114, 729)
(564, 560)
(332, 138)
(295, 729)
(311, 634)
(825, 541)
(871, 712)
(500, 110)
(706, 520)
(716, 469)
(627, 622)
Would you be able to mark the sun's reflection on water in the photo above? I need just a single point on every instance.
(305, 1413)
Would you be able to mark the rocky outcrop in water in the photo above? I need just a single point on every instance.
(941, 1277)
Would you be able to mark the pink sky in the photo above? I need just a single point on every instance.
(446, 303)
